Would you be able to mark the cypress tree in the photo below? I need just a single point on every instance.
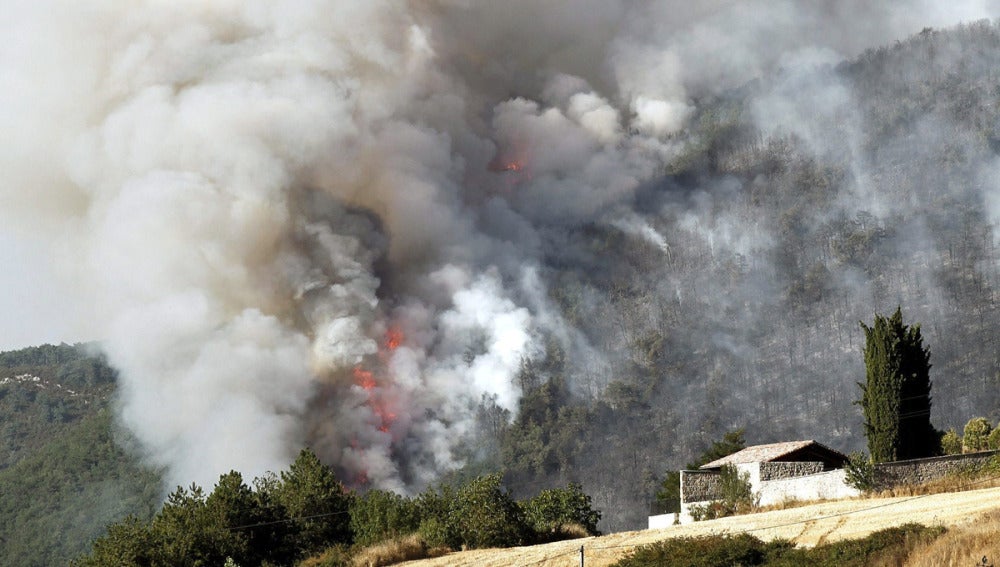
(895, 399)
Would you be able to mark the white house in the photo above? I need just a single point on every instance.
(794, 470)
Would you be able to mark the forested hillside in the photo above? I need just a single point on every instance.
(731, 295)
(65, 471)
(725, 295)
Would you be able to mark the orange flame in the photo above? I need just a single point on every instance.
(387, 416)
(367, 380)
(364, 378)
(393, 338)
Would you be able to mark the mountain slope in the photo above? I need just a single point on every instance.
(65, 474)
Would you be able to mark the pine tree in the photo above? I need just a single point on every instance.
(895, 398)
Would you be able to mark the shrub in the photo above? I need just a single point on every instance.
(381, 515)
(709, 511)
(963, 545)
(706, 551)
(485, 515)
(886, 547)
(436, 526)
(392, 551)
(951, 443)
(993, 442)
(860, 472)
(737, 496)
(553, 511)
(478, 514)
(977, 432)
(437, 533)
(335, 556)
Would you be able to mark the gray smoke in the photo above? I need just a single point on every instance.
(329, 222)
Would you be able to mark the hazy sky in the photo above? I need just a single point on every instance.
(35, 302)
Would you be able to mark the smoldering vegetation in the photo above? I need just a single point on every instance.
(571, 240)
(729, 293)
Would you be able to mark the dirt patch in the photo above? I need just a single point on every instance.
(807, 525)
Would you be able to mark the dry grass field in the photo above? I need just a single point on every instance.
(972, 517)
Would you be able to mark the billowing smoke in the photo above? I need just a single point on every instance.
(331, 223)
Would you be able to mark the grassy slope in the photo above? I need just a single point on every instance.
(806, 525)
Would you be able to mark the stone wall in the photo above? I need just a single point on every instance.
(779, 470)
(699, 486)
(821, 486)
(919, 471)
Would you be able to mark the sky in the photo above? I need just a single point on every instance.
(36, 303)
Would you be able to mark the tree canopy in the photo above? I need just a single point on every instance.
(896, 394)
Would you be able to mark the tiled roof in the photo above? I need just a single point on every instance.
(764, 453)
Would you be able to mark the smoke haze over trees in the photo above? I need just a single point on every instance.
(576, 240)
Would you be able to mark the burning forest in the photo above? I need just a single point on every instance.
(572, 240)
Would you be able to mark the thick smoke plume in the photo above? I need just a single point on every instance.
(337, 223)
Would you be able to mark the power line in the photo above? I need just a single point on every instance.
(287, 520)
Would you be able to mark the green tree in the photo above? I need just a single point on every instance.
(951, 442)
(976, 435)
(436, 525)
(994, 440)
(255, 524)
(380, 515)
(485, 515)
(187, 533)
(128, 542)
(320, 505)
(480, 513)
(895, 398)
(553, 510)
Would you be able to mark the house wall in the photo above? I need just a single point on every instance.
(774, 481)
(752, 470)
(918, 471)
(820, 486)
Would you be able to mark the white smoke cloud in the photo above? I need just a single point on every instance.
(258, 194)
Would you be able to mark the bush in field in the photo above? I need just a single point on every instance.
(951, 443)
(859, 472)
(977, 434)
(553, 511)
(381, 515)
(478, 514)
(891, 546)
(706, 551)
(391, 552)
(737, 496)
(485, 515)
(993, 442)
(434, 510)
(886, 547)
